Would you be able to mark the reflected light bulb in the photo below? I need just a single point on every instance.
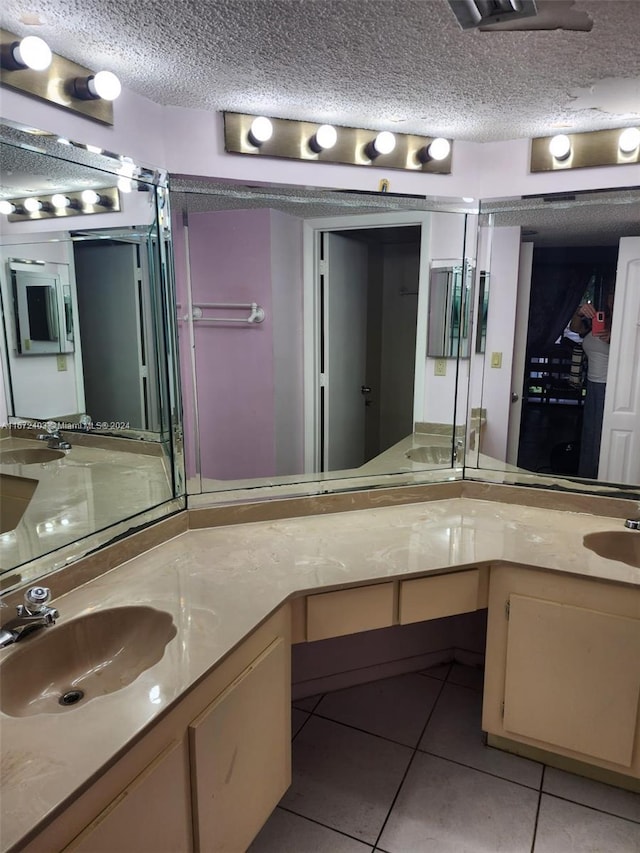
(33, 52)
(629, 140)
(384, 143)
(90, 197)
(560, 146)
(7, 207)
(439, 149)
(60, 201)
(125, 185)
(32, 205)
(261, 130)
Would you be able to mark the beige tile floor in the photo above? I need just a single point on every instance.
(399, 766)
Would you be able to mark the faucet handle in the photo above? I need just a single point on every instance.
(36, 598)
(632, 523)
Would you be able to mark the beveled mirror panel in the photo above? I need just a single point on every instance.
(547, 259)
(90, 400)
(302, 319)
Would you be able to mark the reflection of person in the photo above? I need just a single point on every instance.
(595, 345)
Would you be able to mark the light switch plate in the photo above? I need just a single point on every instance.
(496, 359)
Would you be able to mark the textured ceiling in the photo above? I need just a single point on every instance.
(399, 64)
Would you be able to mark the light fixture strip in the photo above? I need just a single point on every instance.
(293, 140)
(588, 150)
(109, 198)
(55, 84)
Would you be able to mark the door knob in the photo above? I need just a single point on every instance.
(364, 389)
(514, 397)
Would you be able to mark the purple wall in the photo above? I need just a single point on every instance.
(230, 262)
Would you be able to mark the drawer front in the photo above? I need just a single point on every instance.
(348, 611)
(441, 595)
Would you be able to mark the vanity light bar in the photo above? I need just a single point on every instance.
(581, 150)
(264, 136)
(62, 82)
(106, 200)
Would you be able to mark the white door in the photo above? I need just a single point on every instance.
(620, 447)
(519, 350)
(345, 350)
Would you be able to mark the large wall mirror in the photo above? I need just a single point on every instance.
(91, 409)
(559, 397)
(304, 319)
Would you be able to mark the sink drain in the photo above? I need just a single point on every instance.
(71, 697)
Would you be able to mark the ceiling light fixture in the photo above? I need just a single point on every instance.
(103, 85)
(629, 140)
(324, 138)
(384, 143)
(481, 13)
(7, 207)
(560, 146)
(261, 131)
(91, 197)
(60, 201)
(32, 205)
(31, 52)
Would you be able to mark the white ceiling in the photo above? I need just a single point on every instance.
(399, 64)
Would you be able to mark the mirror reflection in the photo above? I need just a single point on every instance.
(559, 383)
(89, 400)
(304, 337)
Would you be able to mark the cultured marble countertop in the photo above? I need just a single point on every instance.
(220, 583)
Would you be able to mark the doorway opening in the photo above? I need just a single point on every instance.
(369, 282)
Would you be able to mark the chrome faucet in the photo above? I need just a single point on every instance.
(32, 615)
(54, 441)
(632, 523)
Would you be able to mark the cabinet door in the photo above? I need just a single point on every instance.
(240, 750)
(152, 815)
(572, 678)
(562, 673)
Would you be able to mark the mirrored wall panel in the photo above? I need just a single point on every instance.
(90, 402)
(557, 388)
(304, 319)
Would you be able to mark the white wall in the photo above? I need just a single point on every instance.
(496, 388)
(40, 390)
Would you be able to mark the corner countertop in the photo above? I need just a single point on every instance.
(219, 584)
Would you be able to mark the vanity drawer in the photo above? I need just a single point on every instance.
(348, 611)
(440, 595)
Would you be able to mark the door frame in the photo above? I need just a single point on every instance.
(313, 379)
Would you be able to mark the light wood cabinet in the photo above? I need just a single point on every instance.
(563, 667)
(152, 815)
(348, 611)
(442, 595)
(241, 754)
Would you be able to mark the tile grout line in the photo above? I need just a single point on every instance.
(324, 825)
(593, 808)
(411, 760)
(535, 823)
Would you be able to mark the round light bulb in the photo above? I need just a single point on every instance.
(468, 199)
(385, 142)
(60, 201)
(104, 85)
(326, 136)
(32, 205)
(7, 207)
(560, 146)
(629, 140)
(261, 130)
(90, 197)
(439, 149)
(33, 52)
(125, 185)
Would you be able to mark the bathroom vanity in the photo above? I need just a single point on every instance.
(195, 753)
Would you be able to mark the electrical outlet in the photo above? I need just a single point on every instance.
(440, 367)
(62, 362)
(496, 359)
